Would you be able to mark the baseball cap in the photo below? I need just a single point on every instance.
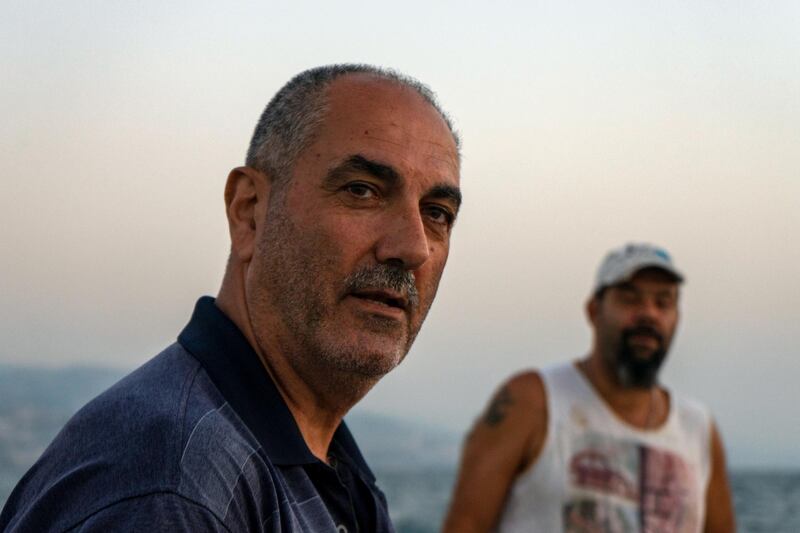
(621, 264)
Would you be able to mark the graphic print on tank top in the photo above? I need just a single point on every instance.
(621, 486)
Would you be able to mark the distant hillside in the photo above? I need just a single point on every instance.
(391, 443)
(55, 388)
(34, 404)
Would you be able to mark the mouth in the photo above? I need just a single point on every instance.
(382, 297)
(643, 333)
(643, 338)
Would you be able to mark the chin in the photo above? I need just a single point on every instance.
(370, 358)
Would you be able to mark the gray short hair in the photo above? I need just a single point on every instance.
(289, 122)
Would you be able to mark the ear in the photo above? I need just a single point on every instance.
(246, 198)
(592, 309)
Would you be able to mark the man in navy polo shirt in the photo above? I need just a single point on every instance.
(340, 227)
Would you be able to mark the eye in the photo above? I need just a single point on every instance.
(628, 296)
(440, 215)
(665, 302)
(360, 189)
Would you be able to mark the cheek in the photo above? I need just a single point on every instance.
(348, 230)
(614, 325)
(672, 325)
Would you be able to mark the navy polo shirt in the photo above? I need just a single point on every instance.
(197, 439)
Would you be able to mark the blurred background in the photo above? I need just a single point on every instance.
(585, 125)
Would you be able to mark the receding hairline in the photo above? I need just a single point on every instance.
(371, 79)
(293, 116)
(384, 76)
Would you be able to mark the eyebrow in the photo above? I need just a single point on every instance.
(360, 164)
(447, 192)
(388, 174)
(627, 286)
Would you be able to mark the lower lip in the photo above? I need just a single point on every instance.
(377, 308)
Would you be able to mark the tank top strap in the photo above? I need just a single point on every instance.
(564, 387)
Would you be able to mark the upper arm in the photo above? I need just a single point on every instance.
(502, 443)
(719, 505)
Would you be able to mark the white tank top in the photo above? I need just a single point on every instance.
(598, 473)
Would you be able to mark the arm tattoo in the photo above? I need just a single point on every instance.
(496, 412)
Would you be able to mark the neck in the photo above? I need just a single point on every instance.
(644, 408)
(318, 399)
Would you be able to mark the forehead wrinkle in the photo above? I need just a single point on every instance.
(440, 151)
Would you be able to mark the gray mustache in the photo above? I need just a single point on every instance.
(387, 277)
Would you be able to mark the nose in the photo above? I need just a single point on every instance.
(648, 312)
(404, 240)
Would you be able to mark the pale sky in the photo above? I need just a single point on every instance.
(585, 125)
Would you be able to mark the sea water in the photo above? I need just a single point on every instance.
(764, 502)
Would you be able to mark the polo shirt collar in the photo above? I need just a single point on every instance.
(235, 368)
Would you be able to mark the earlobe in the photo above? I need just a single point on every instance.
(246, 195)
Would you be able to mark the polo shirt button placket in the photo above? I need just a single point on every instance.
(340, 476)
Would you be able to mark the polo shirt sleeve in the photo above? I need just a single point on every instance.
(155, 513)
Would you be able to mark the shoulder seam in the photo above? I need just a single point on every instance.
(194, 428)
(144, 495)
(185, 393)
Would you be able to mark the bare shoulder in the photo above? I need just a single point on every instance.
(520, 395)
(515, 419)
(522, 392)
(529, 385)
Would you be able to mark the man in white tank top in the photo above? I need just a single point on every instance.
(598, 445)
